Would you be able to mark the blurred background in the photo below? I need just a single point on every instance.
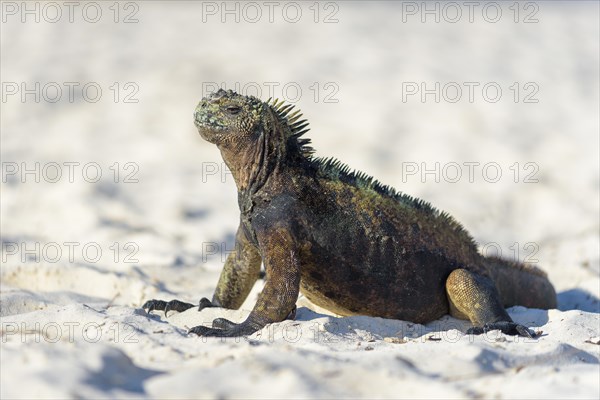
(489, 111)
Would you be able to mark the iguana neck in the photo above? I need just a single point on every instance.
(244, 167)
(252, 166)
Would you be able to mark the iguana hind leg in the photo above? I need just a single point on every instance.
(474, 297)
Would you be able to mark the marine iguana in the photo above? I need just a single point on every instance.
(349, 243)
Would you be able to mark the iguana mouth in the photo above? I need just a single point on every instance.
(207, 124)
(206, 134)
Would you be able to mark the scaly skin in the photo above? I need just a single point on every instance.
(348, 243)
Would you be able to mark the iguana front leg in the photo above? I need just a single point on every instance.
(240, 272)
(475, 297)
(277, 299)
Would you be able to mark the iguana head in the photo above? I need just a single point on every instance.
(255, 137)
(226, 117)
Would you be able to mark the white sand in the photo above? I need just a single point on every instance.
(73, 327)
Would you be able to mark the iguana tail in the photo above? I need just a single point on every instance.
(521, 284)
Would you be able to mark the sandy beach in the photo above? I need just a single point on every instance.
(109, 197)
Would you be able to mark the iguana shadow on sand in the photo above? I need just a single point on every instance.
(348, 243)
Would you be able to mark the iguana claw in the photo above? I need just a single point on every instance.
(166, 306)
(508, 328)
(152, 305)
(225, 328)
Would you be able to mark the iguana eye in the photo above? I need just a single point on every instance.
(233, 110)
